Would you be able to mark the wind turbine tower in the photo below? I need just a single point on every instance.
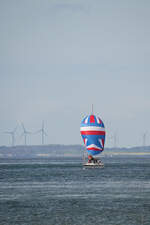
(12, 133)
(43, 133)
(25, 133)
(144, 138)
(115, 140)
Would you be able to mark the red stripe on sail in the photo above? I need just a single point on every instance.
(92, 119)
(103, 142)
(95, 149)
(93, 132)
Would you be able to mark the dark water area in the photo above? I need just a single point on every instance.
(58, 191)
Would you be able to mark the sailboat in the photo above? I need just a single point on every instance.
(93, 133)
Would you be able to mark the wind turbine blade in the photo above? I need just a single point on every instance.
(45, 133)
(39, 131)
(43, 124)
(15, 129)
(23, 127)
(28, 132)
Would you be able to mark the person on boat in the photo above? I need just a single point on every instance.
(99, 161)
(90, 158)
(95, 160)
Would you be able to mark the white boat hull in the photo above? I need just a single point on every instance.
(94, 165)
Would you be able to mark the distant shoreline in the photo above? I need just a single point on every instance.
(36, 151)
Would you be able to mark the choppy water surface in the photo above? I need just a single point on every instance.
(61, 192)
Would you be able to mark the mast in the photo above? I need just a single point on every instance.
(92, 109)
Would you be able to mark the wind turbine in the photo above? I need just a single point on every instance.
(114, 137)
(109, 135)
(43, 133)
(144, 138)
(25, 133)
(115, 140)
(12, 133)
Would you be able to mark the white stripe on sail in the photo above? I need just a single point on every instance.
(93, 146)
(86, 120)
(101, 143)
(98, 120)
(92, 128)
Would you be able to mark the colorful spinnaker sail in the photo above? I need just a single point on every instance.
(93, 133)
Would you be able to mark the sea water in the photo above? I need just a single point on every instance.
(58, 191)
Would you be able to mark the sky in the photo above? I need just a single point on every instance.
(58, 57)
